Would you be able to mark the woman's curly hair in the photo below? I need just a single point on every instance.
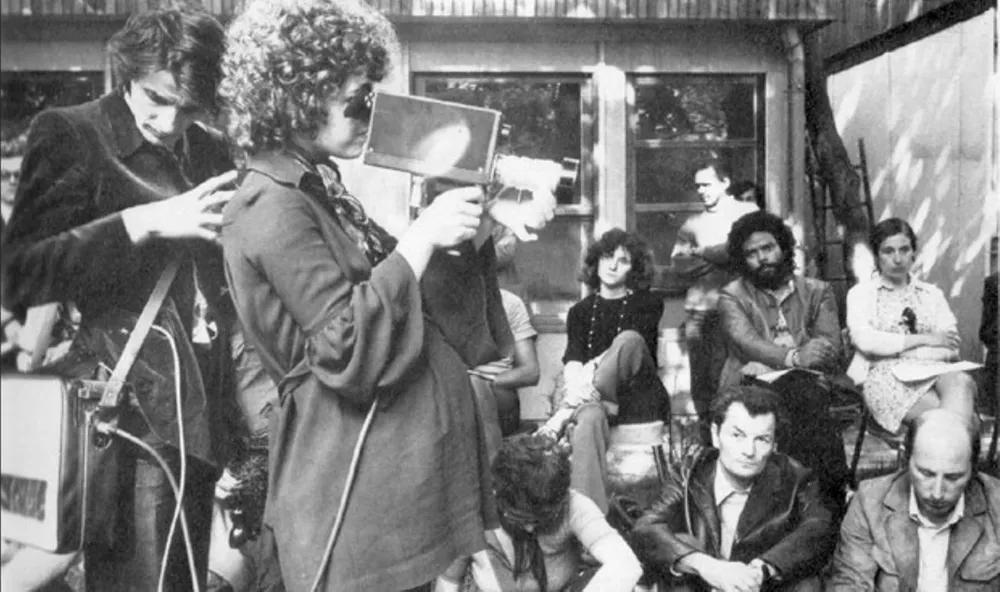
(639, 276)
(285, 59)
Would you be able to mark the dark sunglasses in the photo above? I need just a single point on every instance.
(359, 106)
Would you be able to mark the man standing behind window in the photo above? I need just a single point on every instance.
(701, 254)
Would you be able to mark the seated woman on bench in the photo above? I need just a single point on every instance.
(905, 335)
(610, 374)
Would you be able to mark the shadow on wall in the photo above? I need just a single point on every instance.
(925, 112)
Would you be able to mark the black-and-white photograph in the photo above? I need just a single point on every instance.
(499, 296)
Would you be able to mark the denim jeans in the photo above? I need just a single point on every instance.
(144, 522)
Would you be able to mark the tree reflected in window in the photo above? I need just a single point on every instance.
(25, 94)
(549, 117)
(679, 121)
(544, 116)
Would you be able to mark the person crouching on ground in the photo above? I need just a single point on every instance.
(545, 528)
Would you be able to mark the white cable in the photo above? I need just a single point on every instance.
(181, 489)
(352, 472)
(106, 428)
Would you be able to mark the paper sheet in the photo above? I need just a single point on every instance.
(916, 372)
(771, 377)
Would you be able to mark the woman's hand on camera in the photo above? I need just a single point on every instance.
(192, 214)
(454, 217)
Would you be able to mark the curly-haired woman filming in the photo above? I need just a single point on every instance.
(375, 400)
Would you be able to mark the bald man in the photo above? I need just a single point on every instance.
(933, 526)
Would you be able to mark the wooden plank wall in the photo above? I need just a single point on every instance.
(805, 10)
(860, 21)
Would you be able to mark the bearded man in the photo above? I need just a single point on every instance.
(776, 320)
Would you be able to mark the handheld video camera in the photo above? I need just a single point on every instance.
(444, 140)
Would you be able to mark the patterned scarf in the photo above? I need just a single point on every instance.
(372, 239)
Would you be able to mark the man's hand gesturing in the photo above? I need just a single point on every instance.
(193, 214)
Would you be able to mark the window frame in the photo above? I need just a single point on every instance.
(664, 278)
(94, 77)
(548, 313)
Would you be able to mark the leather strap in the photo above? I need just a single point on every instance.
(112, 393)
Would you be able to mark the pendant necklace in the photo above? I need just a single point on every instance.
(593, 321)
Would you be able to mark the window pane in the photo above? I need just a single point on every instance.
(695, 108)
(666, 174)
(659, 230)
(548, 267)
(24, 94)
(543, 115)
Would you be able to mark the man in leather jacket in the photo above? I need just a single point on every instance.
(740, 517)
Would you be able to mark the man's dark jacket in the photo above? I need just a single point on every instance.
(66, 242)
(783, 523)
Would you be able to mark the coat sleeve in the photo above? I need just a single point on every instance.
(867, 339)
(942, 319)
(812, 541)
(744, 337)
(576, 335)
(854, 567)
(362, 337)
(54, 246)
(660, 538)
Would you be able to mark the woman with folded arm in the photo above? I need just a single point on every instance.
(899, 324)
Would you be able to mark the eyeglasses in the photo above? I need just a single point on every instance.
(359, 105)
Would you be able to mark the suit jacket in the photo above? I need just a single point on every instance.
(783, 523)
(749, 313)
(878, 548)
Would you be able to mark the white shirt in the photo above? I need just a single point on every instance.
(709, 229)
(730, 503)
(933, 545)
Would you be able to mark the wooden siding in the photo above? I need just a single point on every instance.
(868, 22)
(766, 10)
